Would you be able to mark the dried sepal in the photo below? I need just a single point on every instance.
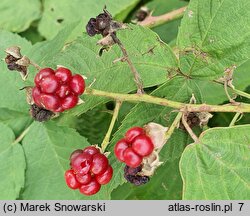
(106, 41)
(14, 51)
(16, 62)
(80, 101)
(29, 97)
(157, 134)
(204, 118)
(150, 164)
(24, 61)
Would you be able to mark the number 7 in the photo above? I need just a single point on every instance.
(241, 205)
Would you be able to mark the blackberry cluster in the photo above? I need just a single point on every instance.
(89, 170)
(57, 90)
(133, 147)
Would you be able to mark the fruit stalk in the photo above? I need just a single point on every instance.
(106, 139)
(236, 118)
(171, 129)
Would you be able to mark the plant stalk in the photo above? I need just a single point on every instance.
(137, 77)
(153, 21)
(241, 108)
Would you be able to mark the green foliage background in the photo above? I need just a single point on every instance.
(212, 35)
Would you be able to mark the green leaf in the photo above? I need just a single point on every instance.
(81, 56)
(241, 76)
(218, 166)
(166, 184)
(10, 81)
(47, 149)
(214, 35)
(46, 50)
(58, 14)
(17, 121)
(12, 165)
(211, 92)
(17, 16)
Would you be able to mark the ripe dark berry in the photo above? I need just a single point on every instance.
(49, 84)
(99, 164)
(84, 179)
(43, 73)
(40, 114)
(81, 164)
(50, 102)
(132, 133)
(77, 84)
(105, 177)
(131, 158)
(120, 147)
(137, 180)
(36, 95)
(69, 102)
(70, 179)
(91, 27)
(63, 74)
(63, 91)
(91, 188)
(102, 21)
(132, 171)
(91, 150)
(142, 145)
(133, 176)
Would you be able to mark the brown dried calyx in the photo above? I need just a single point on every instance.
(40, 114)
(192, 120)
(141, 14)
(105, 25)
(196, 119)
(16, 62)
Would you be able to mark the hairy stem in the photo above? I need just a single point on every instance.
(188, 129)
(106, 139)
(137, 78)
(242, 107)
(152, 21)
